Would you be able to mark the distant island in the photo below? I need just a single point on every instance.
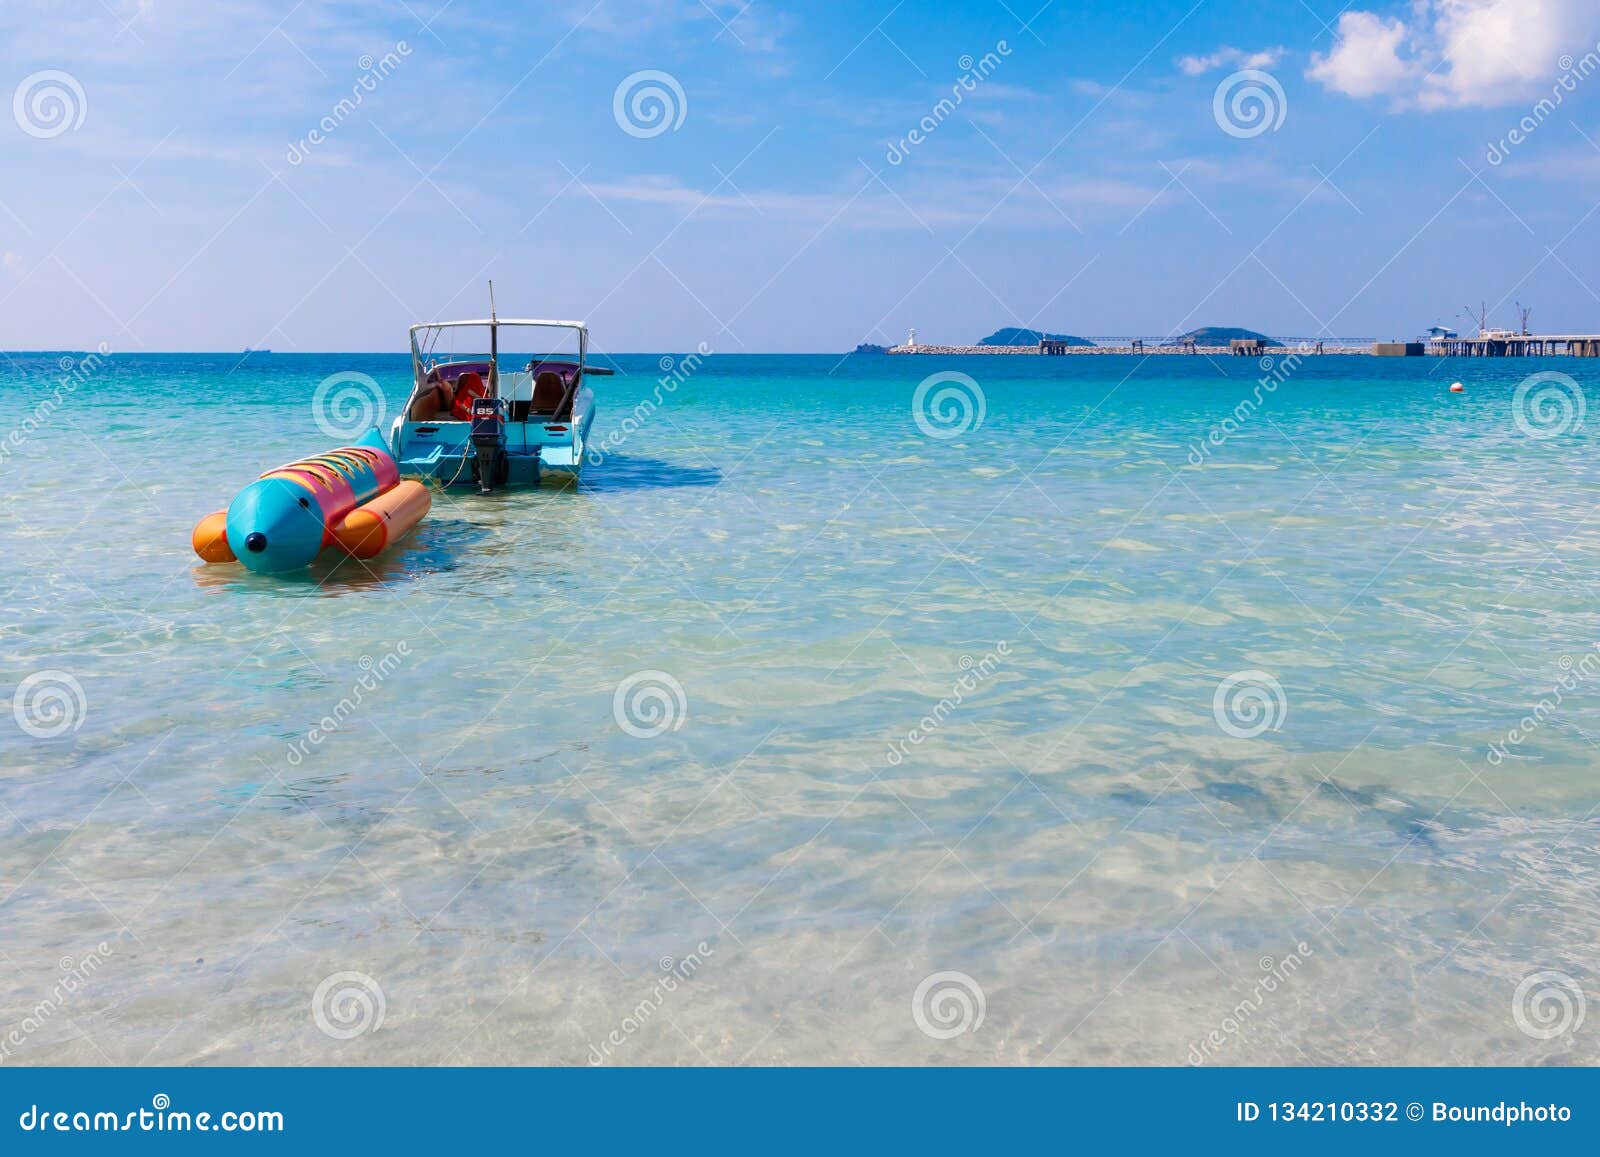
(1221, 335)
(1010, 335)
(1208, 340)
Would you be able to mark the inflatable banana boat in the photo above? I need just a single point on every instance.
(352, 497)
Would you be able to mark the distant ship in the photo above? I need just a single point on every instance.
(250, 351)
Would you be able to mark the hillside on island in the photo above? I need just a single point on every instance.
(1010, 335)
(1221, 335)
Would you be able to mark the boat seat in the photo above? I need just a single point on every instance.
(434, 400)
(549, 392)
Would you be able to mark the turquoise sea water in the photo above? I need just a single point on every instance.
(1166, 760)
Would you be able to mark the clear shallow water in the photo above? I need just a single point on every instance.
(1078, 835)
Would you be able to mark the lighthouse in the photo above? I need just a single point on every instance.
(911, 339)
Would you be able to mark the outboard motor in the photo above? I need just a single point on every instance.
(489, 444)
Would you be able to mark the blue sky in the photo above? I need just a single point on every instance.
(1088, 180)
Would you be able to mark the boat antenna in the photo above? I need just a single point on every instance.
(488, 429)
(494, 346)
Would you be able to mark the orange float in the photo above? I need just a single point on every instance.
(369, 529)
(210, 538)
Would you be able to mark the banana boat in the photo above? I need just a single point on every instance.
(352, 497)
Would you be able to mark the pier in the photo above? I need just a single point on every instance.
(1517, 345)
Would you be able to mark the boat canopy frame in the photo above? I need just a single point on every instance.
(493, 324)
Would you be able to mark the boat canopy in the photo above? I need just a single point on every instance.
(425, 337)
(501, 321)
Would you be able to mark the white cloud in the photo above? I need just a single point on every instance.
(953, 200)
(736, 23)
(1229, 57)
(1457, 53)
(1503, 49)
(1366, 59)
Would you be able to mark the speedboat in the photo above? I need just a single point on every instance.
(496, 419)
